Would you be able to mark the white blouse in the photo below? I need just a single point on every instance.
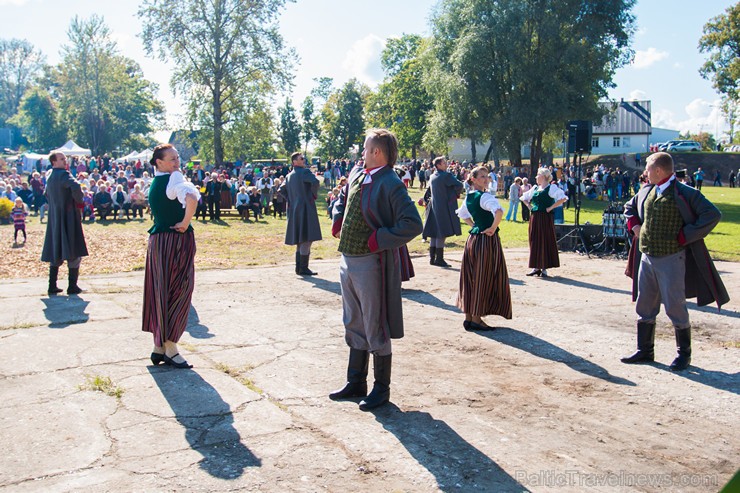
(178, 188)
(555, 192)
(487, 202)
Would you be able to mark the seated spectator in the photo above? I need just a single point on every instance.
(103, 201)
(88, 211)
(121, 203)
(138, 201)
(255, 202)
(242, 203)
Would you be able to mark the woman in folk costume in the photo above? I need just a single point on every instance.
(542, 200)
(484, 280)
(170, 272)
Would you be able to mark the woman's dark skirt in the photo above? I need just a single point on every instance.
(543, 247)
(168, 285)
(484, 280)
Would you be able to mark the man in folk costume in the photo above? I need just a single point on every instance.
(374, 218)
(300, 190)
(670, 261)
(64, 237)
(442, 221)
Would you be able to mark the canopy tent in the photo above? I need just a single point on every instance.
(144, 155)
(29, 160)
(72, 149)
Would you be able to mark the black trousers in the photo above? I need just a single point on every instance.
(214, 207)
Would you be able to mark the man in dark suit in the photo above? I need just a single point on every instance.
(64, 237)
(300, 190)
(213, 195)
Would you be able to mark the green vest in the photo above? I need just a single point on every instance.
(482, 218)
(166, 212)
(661, 225)
(355, 230)
(541, 199)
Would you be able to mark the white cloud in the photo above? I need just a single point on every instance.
(646, 58)
(13, 2)
(637, 95)
(699, 116)
(363, 59)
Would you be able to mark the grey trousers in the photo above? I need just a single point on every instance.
(73, 263)
(662, 279)
(304, 248)
(438, 242)
(361, 282)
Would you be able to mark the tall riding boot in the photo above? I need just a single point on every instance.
(304, 270)
(645, 344)
(53, 275)
(440, 259)
(356, 385)
(297, 262)
(683, 344)
(432, 255)
(381, 392)
(73, 288)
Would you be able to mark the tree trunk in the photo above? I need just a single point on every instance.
(218, 144)
(413, 151)
(488, 152)
(472, 149)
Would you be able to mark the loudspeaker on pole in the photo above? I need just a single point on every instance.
(579, 136)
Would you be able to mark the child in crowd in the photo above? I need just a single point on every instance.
(87, 202)
(19, 214)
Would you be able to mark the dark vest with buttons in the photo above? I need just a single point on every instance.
(166, 212)
(355, 230)
(661, 224)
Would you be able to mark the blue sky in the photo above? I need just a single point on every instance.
(343, 39)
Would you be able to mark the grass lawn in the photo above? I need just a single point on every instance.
(232, 243)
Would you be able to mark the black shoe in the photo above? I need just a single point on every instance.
(74, 275)
(466, 324)
(169, 361)
(356, 385)
(378, 396)
(683, 345)
(639, 357)
(350, 390)
(303, 269)
(53, 275)
(157, 358)
(439, 258)
(535, 272)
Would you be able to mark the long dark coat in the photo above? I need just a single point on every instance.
(300, 190)
(700, 217)
(64, 237)
(442, 221)
(390, 212)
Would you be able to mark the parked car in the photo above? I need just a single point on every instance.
(664, 146)
(687, 145)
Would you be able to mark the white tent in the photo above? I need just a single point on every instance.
(72, 149)
(29, 160)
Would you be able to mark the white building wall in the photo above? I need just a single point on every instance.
(620, 144)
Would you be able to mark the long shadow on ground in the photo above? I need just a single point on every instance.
(729, 382)
(456, 464)
(546, 350)
(208, 422)
(63, 311)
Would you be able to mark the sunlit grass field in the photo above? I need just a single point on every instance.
(233, 243)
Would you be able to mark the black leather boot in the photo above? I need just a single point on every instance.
(432, 255)
(440, 258)
(683, 344)
(53, 275)
(303, 269)
(73, 288)
(356, 385)
(381, 392)
(297, 262)
(645, 344)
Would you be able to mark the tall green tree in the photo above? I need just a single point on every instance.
(20, 64)
(103, 97)
(309, 123)
(224, 52)
(516, 68)
(38, 120)
(402, 101)
(721, 41)
(343, 120)
(290, 129)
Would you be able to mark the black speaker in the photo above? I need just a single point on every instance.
(579, 135)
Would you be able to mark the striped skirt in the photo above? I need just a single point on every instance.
(168, 285)
(543, 247)
(484, 280)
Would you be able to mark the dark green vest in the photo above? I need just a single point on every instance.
(541, 199)
(355, 231)
(166, 212)
(661, 224)
(482, 218)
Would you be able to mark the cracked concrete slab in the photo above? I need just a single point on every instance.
(469, 411)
